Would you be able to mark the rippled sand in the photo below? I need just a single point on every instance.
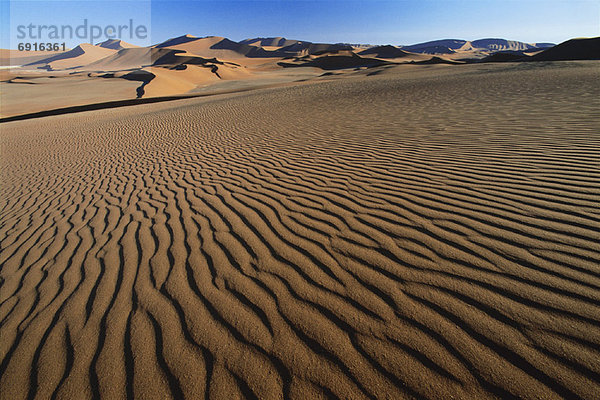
(421, 233)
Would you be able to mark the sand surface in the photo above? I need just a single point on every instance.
(429, 232)
(35, 94)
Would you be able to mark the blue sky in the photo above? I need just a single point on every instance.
(367, 21)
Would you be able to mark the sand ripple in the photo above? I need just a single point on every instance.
(370, 237)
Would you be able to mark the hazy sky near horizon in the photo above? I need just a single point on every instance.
(366, 21)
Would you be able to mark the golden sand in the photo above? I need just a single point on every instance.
(414, 233)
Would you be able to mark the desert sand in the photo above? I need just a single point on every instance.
(425, 231)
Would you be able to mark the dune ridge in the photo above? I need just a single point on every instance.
(116, 44)
(449, 46)
(387, 51)
(368, 237)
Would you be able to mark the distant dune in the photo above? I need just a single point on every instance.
(129, 58)
(506, 56)
(387, 51)
(504, 45)
(449, 46)
(223, 48)
(18, 58)
(574, 49)
(335, 61)
(249, 52)
(116, 44)
(216, 46)
(188, 64)
(304, 48)
(445, 46)
(242, 49)
(80, 56)
(438, 60)
(271, 42)
(177, 41)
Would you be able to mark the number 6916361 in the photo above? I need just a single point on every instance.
(35, 46)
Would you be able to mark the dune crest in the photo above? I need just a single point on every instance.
(116, 44)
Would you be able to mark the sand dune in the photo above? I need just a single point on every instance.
(304, 48)
(270, 42)
(574, 49)
(166, 72)
(243, 49)
(226, 49)
(402, 235)
(116, 44)
(171, 81)
(160, 71)
(218, 47)
(17, 58)
(504, 45)
(335, 62)
(445, 46)
(570, 50)
(438, 60)
(80, 56)
(127, 59)
(384, 52)
(449, 46)
(167, 82)
(191, 42)
(177, 41)
(506, 56)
